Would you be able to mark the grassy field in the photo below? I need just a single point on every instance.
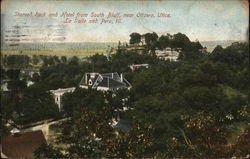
(57, 49)
(57, 52)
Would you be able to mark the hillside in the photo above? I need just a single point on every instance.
(212, 44)
(59, 49)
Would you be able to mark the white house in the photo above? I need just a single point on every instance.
(104, 82)
(137, 66)
(168, 54)
(58, 95)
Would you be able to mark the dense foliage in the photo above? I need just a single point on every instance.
(197, 106)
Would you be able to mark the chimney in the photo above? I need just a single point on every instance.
(86, 78)
(121, 77)
(108, 82)
(15, 132)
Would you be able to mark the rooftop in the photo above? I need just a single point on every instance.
(22, 145)
(108, 80)
(62, 90)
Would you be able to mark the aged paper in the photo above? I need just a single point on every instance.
(125, 79)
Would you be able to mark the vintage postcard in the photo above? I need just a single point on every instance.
(125, 79)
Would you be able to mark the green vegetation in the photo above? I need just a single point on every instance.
(196, 107)
(57, 52)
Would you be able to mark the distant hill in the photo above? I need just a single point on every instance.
(212, 44)
(79, 49)
(59, 49)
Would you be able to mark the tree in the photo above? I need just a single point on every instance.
(35, 77)
(235, 54)
(135, 38)
(196, 46)
(50, 61)
(16, 85)
(48, 151)
(83, 99)
(74, 60)
(36, 105)
(151, 41)
(180, 40)
(91, 136)
(99, 63)
(56, 59)
(13, 74)
(17, 60)
(10, 106)
(35, 59)
(241, 146)
(218, 49)
(45, 61)
(63, 59)
(117, 101)
(206, 135)
(163, 42)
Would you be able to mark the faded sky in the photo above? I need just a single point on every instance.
(204, 20)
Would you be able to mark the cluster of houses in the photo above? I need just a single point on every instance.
(98, 81)
(169, 54)
(25, 139)
(134, 67)
(23, 142)
(24, 74)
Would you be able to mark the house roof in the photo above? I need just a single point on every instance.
(90, 76)
(108, 80)
(22, 145)
(114, 76)
(111, 83)
(63, 90)
(15, 130)
(123, 126)
(3, 155)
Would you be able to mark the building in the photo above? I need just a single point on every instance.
(4, 85)
(140, 49)
(58, 93)
(29, 72)
(48, 127)
(22, 145)
(136, 48)
(104, 82)
(2, 154)
(137, 66)
(168, 54)
(123, 126)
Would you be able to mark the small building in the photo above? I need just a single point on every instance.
(123, 126)
(58, 93)
(137, 66)
(4, 85)
(168, 54)
(29, 72)
(140, 49)
(14, 131)
(104, 82)
(3, 155)
(136, 48)
(22, 145)
(178, 49)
